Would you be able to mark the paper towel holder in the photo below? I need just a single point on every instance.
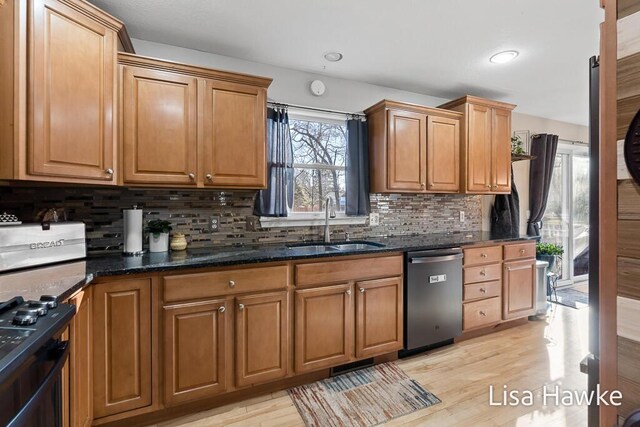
(133, 253)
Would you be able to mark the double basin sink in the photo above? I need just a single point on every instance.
(320, 248)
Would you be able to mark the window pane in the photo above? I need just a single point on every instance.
(580, 215)
(555, 224)
(312, 187)
(318, 143)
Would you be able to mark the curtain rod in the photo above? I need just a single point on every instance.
(321, 110)
(570, 141)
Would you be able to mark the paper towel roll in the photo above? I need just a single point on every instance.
(132, 230)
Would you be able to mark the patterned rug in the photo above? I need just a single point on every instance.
(571, 298)
(366, 397)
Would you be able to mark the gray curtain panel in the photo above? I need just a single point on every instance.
(505, 215)
(277, 199)
(357, 175)
(543, 148)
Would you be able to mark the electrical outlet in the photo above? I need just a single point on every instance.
(214, 223)
(374, 218)
(461, 216)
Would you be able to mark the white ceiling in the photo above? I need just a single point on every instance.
(434, 47)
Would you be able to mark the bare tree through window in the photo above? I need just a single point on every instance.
(319, 155)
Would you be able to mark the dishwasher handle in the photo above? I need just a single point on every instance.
(431, 259)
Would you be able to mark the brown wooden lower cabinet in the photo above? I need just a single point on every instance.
(195, 345)
(122, 375)
(519, 291)
(323, 327)
(379, 316)
(80, 375)
(261, 338)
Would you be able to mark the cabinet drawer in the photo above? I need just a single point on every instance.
(217, 283)
(340, 271)
(481, 313)
(487, 255)
(520, 251)
(483, 273)
(482, 290)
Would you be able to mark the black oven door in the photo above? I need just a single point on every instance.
(33, 396)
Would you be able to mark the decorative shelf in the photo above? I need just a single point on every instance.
(519, 157)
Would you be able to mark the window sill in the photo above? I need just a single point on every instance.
(310, 220)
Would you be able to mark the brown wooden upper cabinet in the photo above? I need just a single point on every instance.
(190, 126)
(57, 122)
(413, 149)
(486, 145)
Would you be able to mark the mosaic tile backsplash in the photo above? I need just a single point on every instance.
(190, 210)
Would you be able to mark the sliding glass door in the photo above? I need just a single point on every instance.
(566, 219)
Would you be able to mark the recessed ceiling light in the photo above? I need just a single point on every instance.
(502, 57)
(333, 56)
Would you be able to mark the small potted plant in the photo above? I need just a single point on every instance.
(517, 146)
(158, 235)
(549, 252)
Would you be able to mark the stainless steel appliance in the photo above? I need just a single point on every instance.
(433, 298)
(31, 361)
(30, 245)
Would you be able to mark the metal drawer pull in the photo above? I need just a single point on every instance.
(222, 309)
(362, 290)
(240, 306)
(482, 313)
(232, 284)
(483, 290)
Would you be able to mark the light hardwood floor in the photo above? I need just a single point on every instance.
(526, 357)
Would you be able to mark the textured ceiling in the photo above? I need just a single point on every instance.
(435, 47)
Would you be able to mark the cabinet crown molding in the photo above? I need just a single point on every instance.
(192, 70)
(406, 106)
(470, 99)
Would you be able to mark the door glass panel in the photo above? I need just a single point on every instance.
(555, 223)
(580, 215)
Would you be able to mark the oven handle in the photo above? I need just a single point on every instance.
(426, 260)
(60, 354)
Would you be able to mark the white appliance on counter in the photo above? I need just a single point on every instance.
(30, 245)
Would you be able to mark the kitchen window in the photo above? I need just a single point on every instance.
(319, 155)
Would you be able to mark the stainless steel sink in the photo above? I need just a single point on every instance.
(312, 249)
(356, 246)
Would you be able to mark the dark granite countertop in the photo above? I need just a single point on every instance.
(116, 264)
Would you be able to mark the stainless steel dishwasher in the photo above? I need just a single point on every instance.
(433, 297)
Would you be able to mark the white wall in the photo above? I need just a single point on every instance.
(292, 87)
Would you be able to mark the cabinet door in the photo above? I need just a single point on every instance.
(406, 151)
(121, 346)
(159, 127)
(195, 344)
(519, 291)
(443, 154)
(234, 137)
(324, 327)
(72, 97)
(262, 338)
(378, 316)
(479, 149)
(501, 151)
(80, 380)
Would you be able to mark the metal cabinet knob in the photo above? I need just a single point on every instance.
(109, 171)
(422, 185)
(192, 175)
(483, 255)
(483, 273)
(483, 290)
(222, 309)
(348, 291)
(240, 306)
(522, 251)
(209, 177)
(482, 313)
(488, 186)
(232, 284)
(362, 290)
